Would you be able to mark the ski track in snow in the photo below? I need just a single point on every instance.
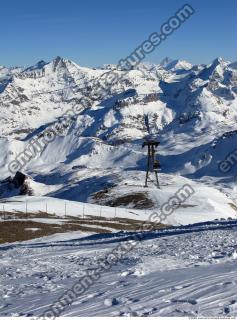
(183, 271)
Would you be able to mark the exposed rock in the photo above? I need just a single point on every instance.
(18, 185)
(19, 179)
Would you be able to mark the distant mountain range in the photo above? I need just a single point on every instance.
(190, 109)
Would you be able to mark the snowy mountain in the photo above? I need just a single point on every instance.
(68, 202)
(190, 109)
(173, 65)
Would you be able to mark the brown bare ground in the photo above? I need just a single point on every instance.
(139, 200)
(20, 229)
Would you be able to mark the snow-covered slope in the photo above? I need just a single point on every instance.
(93, 173)
(184, 271)
(190, 109)
(205, 204)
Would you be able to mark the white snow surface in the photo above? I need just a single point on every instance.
(206, 203)
(183, 271)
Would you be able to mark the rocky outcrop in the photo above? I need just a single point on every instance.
(18, 185)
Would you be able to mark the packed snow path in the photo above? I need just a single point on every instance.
(181, 271)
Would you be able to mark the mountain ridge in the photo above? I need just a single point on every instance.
(186, 109)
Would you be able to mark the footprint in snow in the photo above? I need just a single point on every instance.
(226, 283)
(112, 283)
(94, 295)
(109, 302)
(189, 301)
(129, 300)
(126, 273)
(146, 312)
(141, 312)
(230, 308)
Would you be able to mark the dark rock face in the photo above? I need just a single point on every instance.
(19, 179)
(18, 185)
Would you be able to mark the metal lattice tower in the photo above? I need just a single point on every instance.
(153, 165)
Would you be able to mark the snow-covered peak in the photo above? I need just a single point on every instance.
(39, 65)
(233, 65)
(108, 66)
(217, 61)
(165, 62)
(41, 93)
(177, 65)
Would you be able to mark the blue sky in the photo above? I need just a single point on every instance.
(93, 32)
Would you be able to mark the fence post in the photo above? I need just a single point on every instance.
(100, 211)
(46, 208)
(83, 212)
(4, 217)
(115, 212)
(65, 208)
